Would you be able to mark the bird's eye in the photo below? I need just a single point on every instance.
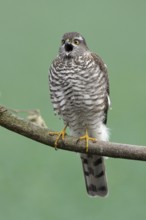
(63, 42)
(77, 42)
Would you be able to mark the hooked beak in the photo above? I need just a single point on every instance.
(68, 47)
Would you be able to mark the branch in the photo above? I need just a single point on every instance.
(40, 134)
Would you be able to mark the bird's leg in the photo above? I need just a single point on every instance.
(60, 135)
(87, 139)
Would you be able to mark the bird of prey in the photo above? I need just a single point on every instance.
(79, 91)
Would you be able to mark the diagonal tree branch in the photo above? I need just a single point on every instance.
(39, 134)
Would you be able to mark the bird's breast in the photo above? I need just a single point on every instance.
(81, 89)
(78, 85)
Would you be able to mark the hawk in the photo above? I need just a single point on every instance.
(79, 91)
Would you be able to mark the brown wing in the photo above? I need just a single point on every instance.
(103, 68)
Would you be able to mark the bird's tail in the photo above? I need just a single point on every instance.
(94, 174)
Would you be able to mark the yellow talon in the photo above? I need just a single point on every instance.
(60, 135)
(87, 139)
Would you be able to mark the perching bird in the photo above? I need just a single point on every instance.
(79, 89)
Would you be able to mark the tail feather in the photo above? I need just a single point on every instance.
(94, 174)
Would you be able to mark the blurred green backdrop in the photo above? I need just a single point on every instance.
(36, 182)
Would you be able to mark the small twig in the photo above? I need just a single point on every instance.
(33, 115)
(40, 134)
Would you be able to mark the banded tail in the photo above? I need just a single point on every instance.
(94, 174)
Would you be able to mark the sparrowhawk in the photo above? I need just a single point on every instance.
(79, 90)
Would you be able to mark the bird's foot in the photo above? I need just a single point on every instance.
(87, 139)
(60, 135)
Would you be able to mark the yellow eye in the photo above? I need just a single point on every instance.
(63, 42)
(77, 42)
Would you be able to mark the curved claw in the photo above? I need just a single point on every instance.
(87, 139)
(60, 135)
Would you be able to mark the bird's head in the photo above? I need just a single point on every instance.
(72, 45)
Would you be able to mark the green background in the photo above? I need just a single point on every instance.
(36, 182)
